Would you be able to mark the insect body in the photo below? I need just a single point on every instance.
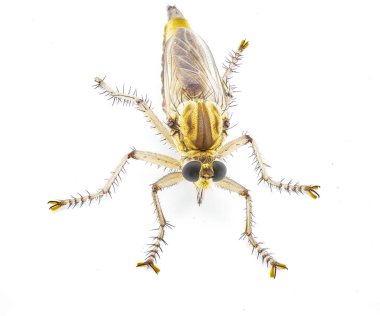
(196, 101)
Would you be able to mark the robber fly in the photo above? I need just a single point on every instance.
(196, 101)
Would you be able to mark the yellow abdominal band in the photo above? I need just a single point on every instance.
(174, 24)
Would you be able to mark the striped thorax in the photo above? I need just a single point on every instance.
(201, 125)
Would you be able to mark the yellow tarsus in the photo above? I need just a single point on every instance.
(150, 264)
(274, 267)
(243, 44)
(312, 192)
(55, 205)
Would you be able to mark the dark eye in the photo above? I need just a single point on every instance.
(220, 170)
(191, 171)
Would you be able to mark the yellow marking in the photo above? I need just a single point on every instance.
(206, 171)
(151, 264)
(203, 183)
(174, 24)
(206, 155)
(272, 272)
(55, 205)
(201, 125)
(243, 45)
(274, 267)
(311, 193)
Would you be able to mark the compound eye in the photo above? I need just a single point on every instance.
(220, 170)
(191, 171)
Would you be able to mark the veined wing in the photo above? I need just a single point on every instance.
(189, 72)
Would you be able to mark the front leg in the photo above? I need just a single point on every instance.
(158, 159)
(142, 105)
(233, 186)
(235, 144)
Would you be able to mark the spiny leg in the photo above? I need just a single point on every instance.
(142, 105)
(232, 186)
(235, 144)
(158, 159)
(232, 65)
(165, 182)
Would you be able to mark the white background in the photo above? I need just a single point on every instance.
(310, 93)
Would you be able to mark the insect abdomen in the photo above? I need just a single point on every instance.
(201, 125)
(189, 71)
(175, 21)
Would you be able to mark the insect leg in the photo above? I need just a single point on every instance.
(232, 65)
(142, 105)
(235, 144)
(165, 182)
(158, 159)
(232, 186)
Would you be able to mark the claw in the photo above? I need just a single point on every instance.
(150, 264)
(274, 268)
(55, 205)
(243, 44)
(311, 190)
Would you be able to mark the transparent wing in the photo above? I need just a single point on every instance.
(189, 72)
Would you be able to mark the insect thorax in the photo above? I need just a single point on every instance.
(200, 126)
